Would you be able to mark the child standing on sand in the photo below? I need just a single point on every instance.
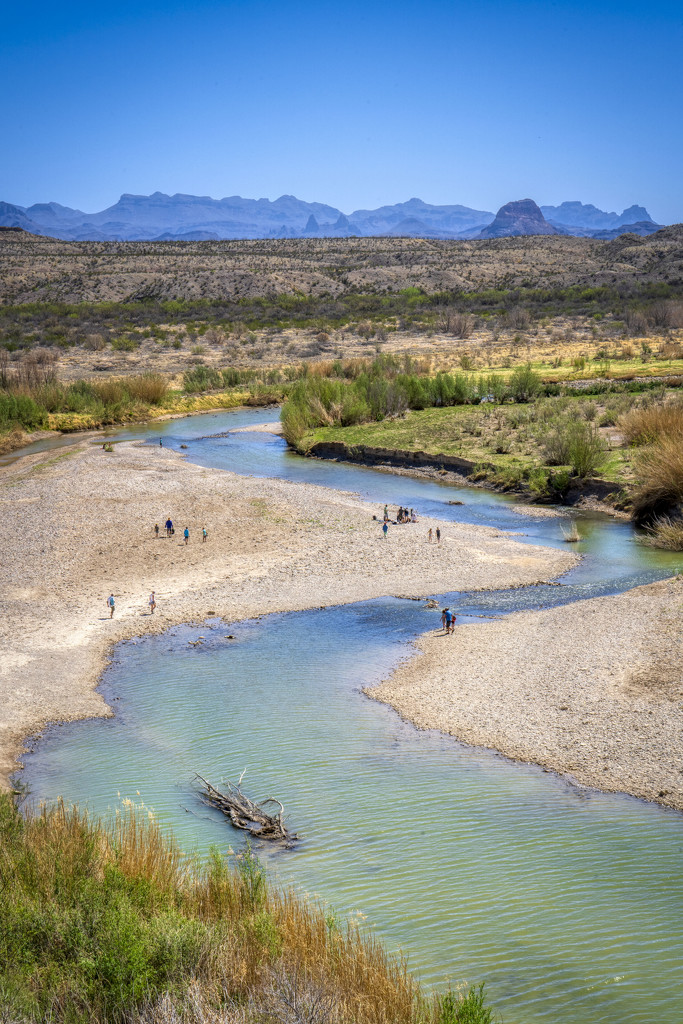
(152, 603)
(204, 535)
(111, 605)
(429, 535)
(385, 529)
(186, 534)
(156, 531)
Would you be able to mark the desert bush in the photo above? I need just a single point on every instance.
(94, 342)
(459, 325)
(524, 384)
(659, 469)
(201, 378)
(518, 318)
(587, 450)
(23, 411)
(666, 533)
(636, 323)
(646, 424)
(147, 387)
(556, 446)
(111, 391)
(124, 344)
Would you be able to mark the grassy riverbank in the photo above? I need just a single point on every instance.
(108, 921)
(517, 432)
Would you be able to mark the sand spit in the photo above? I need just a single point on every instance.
(79, 524)
(593, 690)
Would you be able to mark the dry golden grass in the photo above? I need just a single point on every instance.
(659, 468)
(648, 423)
(152, 936)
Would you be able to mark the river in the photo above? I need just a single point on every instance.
(567, 902)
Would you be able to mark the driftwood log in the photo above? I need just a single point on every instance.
(245, 814)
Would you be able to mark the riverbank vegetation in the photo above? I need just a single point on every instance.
(109, 922)
(515, 431)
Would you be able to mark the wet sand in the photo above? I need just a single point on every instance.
(78, 525)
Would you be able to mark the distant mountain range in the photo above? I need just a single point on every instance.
(189, 218)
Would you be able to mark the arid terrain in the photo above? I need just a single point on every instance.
(37, 269)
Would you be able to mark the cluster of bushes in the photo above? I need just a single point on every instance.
(109, 923)
(107, 401)
(640, 307)
(388, 386)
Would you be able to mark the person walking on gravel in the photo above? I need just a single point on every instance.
(152, 603)
(111, 605)
(169, 527)
(186, 535)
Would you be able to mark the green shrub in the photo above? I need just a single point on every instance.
(22, 410)
(123, 344)
(201, 378)
(587, 451)
(524, 384)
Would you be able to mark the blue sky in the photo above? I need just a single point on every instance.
(353, 104)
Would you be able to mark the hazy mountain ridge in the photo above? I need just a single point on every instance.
(183, 217)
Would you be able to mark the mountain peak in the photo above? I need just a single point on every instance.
(521, 217)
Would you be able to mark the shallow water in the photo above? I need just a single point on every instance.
(567, 902)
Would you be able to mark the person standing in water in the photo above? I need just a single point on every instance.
(186, 535)
(111, 605)
(152, 603)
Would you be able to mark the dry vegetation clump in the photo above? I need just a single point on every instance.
(666, 533)
(109, 922)
(651, 422)
(657, 429)
(659, 469)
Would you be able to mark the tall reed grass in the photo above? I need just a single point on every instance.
(108, 922)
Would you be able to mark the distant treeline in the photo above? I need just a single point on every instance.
(62, 323)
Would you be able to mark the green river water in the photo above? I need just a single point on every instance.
(567, 902)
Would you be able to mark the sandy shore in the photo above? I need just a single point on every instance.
(593, 690)
(78, 524)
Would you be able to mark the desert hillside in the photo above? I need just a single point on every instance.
(38, 269)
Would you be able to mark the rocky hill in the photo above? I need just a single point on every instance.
(522, 217)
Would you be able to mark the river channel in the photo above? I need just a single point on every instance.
(567, 902)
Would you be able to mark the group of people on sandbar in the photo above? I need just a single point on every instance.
(403, 515)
